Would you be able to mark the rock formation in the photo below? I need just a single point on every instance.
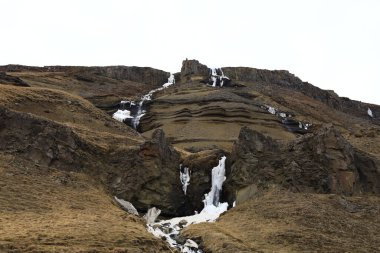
(323, 162)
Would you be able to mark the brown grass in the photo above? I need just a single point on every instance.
(289, 222)
(83, 117)
(46, 210)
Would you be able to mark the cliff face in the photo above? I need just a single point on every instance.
(323, 162)
(146, 75)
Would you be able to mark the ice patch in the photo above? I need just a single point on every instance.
(121, 115)
(271, 110)
(369, 111)
(217, 179)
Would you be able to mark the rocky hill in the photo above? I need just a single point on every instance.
(302, 168)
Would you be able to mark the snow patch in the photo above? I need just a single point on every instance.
(121, 115)
(369, 111)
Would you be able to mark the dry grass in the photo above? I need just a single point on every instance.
(46, 210)
(288, 222)
(83, 117)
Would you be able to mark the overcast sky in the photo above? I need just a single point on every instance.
(332, 44)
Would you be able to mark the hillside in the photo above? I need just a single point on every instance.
(302, 164)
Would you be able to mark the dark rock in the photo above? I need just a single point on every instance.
(12, 80)
(323, 162)
(146, 175)
(182, 223)
(193, 70)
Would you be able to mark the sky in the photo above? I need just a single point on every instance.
(332, 44)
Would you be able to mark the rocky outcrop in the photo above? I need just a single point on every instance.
(193, 70)
(12, 80)
(153, 179)
(145, 175)
(146, 75)
(44, 142)
(323, 162)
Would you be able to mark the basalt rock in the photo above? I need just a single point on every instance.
(146, 75)
(193, 70)
(323, 162)
(145, 175)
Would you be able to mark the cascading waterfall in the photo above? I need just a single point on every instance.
(170, 229)
(125, 115)
(217, 78)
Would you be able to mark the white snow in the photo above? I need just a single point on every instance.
(271, 110)
(369, 111)
(211, 211)
(121, 115)
(185, 178)
(123, 102)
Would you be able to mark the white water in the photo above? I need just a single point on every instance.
(211, 211)
(369, 111)
(184, 177)
(214, 76)
(123, 114)
(140, 112)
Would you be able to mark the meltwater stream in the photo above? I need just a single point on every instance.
(170, 229)
(136, 110)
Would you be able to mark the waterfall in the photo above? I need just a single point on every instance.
(133, 117)
(170, 229)
(217, 179)
(184, 177)
(217, 79)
